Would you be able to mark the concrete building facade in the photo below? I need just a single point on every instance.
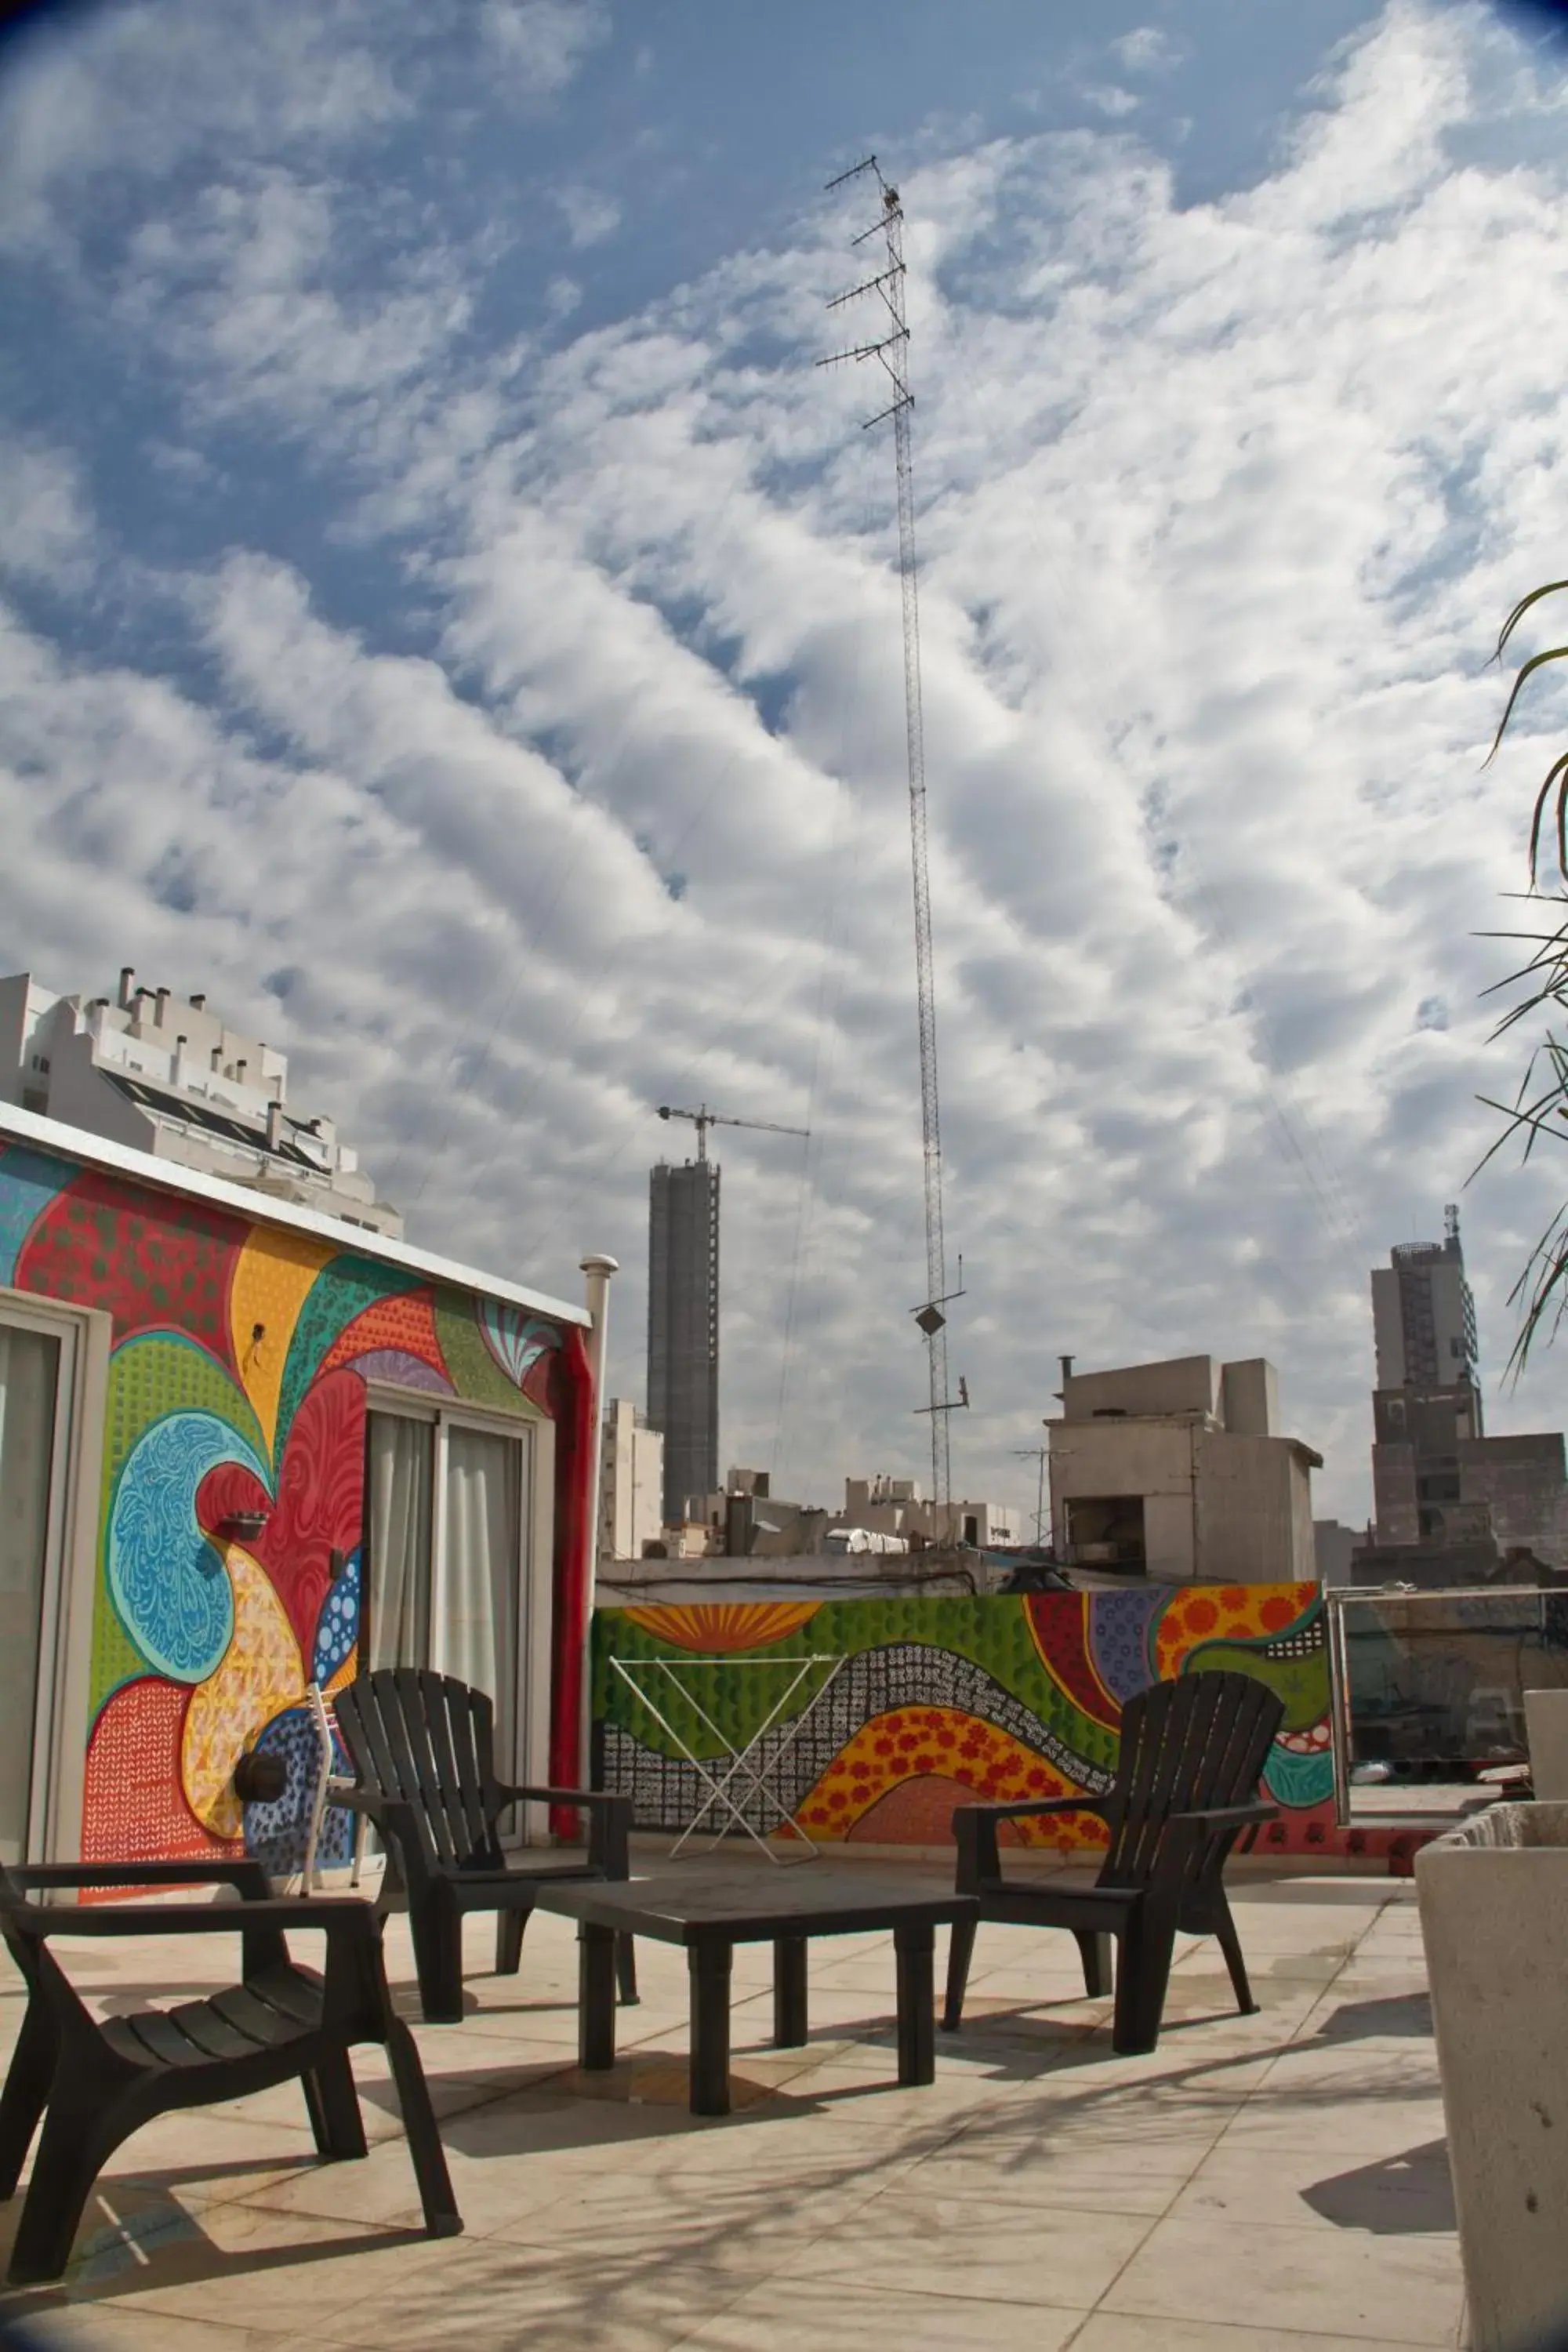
(162, 1074)
(683, 1330)
(897, 1506)
(1178, 1472)
(631, 1482)
(1424, 1316)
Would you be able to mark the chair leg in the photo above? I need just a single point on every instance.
(626, 1970)
(509, 1926)
(437, 1933)
(79, 2137)
(442, 2219)
(1230, 1944)
(1094, 1950)
(333, 2104)
(1148, 1943)
(960, 1952)
(26, 2093)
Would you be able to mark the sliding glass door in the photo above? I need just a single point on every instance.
(445, 1513)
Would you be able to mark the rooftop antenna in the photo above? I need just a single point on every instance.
(892, 349)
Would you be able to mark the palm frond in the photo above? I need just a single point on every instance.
(1551, 588)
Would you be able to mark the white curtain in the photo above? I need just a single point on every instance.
(482, 1569)
(398, 1477)
(29, 1378)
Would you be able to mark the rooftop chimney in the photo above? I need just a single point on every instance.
(239, 1069)
(218, 1057)
(127, 974)
(200, 1003)
(274, 1127)
(162, 1007)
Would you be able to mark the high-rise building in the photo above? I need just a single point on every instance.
(683, 1329)
(1426, 1404)
(1424, 1316)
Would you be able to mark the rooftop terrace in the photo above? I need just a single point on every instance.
(1269, 2181)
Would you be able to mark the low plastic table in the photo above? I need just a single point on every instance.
(710, 1915)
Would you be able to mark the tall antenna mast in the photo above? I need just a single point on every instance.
(892, 349)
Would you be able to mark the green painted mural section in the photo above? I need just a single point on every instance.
(738, 1694)
(476, 1375)
(150, 1379)
(341, 1291)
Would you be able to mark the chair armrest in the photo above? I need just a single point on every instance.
(327, 1914)
(974, 1831)
(517, 1794)
(609, 1822)
(247, 1879)
(1037, 1805)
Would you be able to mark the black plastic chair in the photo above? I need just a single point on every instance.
(423, 1747)
(1192, 1752)
(93, 2082)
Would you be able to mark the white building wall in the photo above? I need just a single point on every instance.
(631, 1486)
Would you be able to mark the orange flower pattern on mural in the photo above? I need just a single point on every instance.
(1226, 1612)
(915, 1741)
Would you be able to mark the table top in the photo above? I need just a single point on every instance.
(753, 1904)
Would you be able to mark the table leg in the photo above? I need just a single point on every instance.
(789, 1992)
(917, 2034)
(709, 1963)
(596, 1998)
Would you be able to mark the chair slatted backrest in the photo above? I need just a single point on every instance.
(431, 1741)
(1200, 1740)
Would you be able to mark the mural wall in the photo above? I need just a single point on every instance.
(232, 1497)
(908, 1707)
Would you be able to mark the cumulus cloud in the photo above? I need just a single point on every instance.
(601, 802)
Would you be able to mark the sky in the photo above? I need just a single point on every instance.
(446, 616)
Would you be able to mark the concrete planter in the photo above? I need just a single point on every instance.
(1494, 1921)
(1546, 1729)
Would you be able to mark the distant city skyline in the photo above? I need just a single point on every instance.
(445, 614)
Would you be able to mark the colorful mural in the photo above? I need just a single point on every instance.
(922, 1704)
(232, 1497)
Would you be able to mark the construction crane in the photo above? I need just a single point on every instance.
(892, 349)
(702, 1118)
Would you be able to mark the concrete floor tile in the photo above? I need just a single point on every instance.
(832, 2317)
(907, 2239)
(225, 2264)
(1357, 2129)
(1111, 2331)
(1394, 2291)
(607, 2294)
(1404, 2194)
(105, 2329)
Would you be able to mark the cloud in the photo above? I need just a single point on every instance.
(541, 44)
(1148, 48)
(46, 532)
(590, 215)
(595, 797)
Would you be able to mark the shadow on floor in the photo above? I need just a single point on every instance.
(1402, 2196)
(1404, 2015)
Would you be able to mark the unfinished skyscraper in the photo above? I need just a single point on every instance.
(683, 1328)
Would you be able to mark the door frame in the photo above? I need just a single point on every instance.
(60, 1726)
(531, 1697)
